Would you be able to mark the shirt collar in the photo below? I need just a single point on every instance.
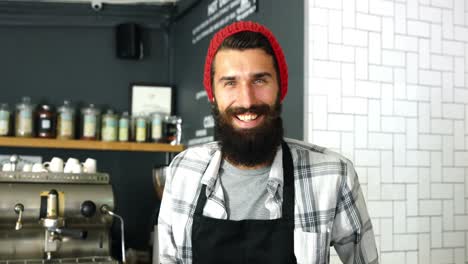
(275, 178)
(211, 173)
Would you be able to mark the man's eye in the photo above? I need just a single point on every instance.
(259, 81)
(230, 83)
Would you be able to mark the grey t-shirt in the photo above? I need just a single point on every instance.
(245, 191)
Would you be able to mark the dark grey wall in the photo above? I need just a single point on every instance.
(79, 63)
(286, 21)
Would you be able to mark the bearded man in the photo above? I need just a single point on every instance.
(254, 196)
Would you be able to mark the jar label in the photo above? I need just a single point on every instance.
(4, 115)
(89, 129)
(110, 122)
(123, 123)
(3, 127)
(109, 133)
(109, 129)
(65, 125)
(123, 129)
(141, 123)
(140, 130)
(123, 134)
(24, 123)
(45, 124)
(141, 134)
(66, 116)
(156, 121)
(25, 114)
(66, 128)
(156, 130)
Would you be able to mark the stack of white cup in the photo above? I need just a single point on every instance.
(56, 164)
(74, 166)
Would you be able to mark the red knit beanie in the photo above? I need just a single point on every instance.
(232, 29)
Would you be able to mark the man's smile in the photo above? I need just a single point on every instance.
(247, 117)
(247, 120)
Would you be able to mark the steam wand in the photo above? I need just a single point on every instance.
(106, 210)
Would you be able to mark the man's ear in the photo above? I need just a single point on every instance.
(213, 96)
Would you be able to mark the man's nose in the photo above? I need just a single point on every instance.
(246, 97)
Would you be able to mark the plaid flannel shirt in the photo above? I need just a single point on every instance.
(329, 205)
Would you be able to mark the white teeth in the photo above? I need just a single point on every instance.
(247, 117)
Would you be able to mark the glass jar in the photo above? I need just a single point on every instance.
(45, 121)
(23, 118)
(109, 126)
(124, 125)
(4, 120)
(156, 126)
(172, 130)
(66, 121)
(90, 123)
(140, 128)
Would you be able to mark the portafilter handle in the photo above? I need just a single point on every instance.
(105, 209)
(74, 233)
(19, 209)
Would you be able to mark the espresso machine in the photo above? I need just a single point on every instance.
(50, 217)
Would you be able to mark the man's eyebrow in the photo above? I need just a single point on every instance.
(261, 75)
(227, 78)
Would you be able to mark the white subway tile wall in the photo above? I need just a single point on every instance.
(387, 86)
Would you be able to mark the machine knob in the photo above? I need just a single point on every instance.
(88, 208)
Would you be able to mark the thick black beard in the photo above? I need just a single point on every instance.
(249, 147)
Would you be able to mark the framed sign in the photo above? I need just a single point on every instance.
(149, 98)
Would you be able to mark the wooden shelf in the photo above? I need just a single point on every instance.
(87, 144)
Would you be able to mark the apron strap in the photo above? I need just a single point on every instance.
(201, 201)
(288, 182)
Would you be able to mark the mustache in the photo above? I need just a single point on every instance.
(262, 109)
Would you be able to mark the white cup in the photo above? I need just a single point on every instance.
(73, 168)
(77, 168)
(38, 167)
(71, 163)
(27, 167)
(90, 165)
(54, 165)
(7, 167)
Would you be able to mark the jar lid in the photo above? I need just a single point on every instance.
(25, 103)
(91, 109)
(26, 99)
(47, 107)
(157, 114)
(66, 106)
(173, 119)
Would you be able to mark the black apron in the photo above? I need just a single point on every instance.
(219, 241)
